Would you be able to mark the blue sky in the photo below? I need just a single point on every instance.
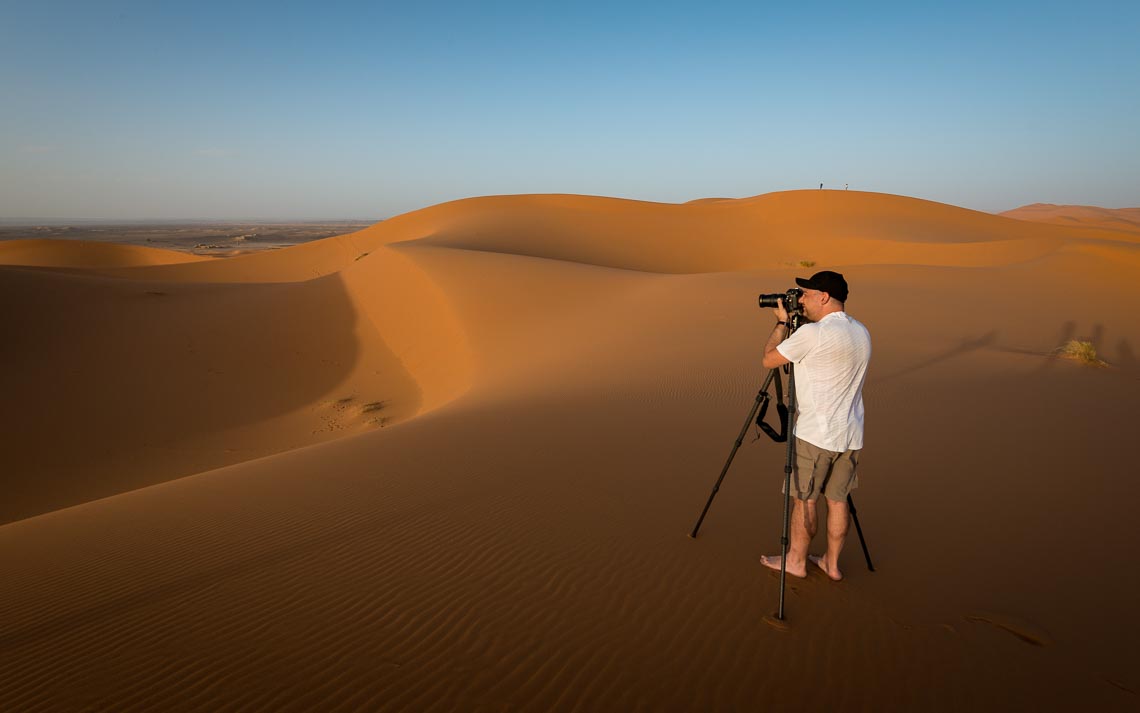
(365, 110)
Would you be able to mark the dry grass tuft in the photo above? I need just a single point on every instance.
(1083, 352)
(807, 263)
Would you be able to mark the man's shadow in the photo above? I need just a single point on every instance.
(1097, 337)
(1125, 357)
(968, 345)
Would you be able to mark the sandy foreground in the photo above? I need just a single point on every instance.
(451, 461)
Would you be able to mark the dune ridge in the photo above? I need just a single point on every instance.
(767, 231)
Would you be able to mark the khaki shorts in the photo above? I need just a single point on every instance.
(817, 470)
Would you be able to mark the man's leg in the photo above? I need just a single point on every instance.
(802, 528)
(838, 520)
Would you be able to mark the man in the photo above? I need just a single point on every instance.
(831, 355)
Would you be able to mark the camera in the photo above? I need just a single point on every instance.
(791, 301)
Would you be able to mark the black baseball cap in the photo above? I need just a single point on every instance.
(827, 281)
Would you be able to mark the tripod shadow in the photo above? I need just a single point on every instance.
(968, 345)
(1097, 337)
(1068, 333)
(1126, 358)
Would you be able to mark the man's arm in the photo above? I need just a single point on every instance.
(772, 357)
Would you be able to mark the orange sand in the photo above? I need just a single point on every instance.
(1124, 220)
(450, 462)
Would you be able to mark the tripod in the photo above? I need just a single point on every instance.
(785, 412)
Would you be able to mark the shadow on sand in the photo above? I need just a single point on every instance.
(968, 345)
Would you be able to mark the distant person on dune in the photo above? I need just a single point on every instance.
(831, 354)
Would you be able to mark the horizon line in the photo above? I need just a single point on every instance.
(21, 222)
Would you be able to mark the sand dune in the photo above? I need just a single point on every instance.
(87, 254)
(449, 462)
(1124, 220)
(770, 231)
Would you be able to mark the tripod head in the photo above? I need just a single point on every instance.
(791, 304)
(795, 321)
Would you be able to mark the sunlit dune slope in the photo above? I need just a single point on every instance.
(1123, 220)
(772, 230)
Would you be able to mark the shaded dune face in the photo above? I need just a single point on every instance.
(132, 365)
(118, 378)
(115, 384)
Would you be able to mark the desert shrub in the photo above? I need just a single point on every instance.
(1083, 352)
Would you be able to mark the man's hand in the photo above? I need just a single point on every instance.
(780, 312)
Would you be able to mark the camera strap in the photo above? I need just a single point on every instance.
(781, 411)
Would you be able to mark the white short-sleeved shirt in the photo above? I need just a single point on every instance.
(831, 358)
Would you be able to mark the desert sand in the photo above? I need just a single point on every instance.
(451, 461)
(1125, 220)
(196, 237)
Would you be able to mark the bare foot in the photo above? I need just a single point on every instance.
(773, 562)
(834, 573)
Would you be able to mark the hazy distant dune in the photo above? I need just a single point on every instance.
(86, 254)
(1126, 220)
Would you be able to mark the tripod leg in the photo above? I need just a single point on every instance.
(789, 460)
(863, 542)
(784, 548)
(760, 396)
